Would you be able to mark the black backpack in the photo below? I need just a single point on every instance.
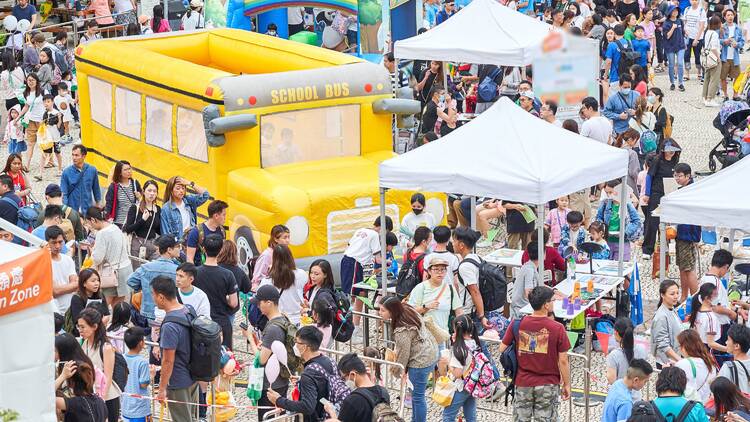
(205, 345)
(509, 361)
(735, 373)
(120, 371)
(343, 327)
(684, 412)
(408, 276)
(492, 284)
(628, 56)
(381, 410)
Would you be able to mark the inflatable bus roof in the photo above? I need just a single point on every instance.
(235, 68)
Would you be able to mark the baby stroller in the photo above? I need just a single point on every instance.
(732, 123)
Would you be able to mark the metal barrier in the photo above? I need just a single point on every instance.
(269, 417)
(402, 390)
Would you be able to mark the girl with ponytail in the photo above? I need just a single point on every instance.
(619, 359)
(703, 319)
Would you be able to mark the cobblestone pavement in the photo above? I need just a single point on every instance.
(692, 129)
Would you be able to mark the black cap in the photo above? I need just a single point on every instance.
(166, 241)
(267, 292)
(52, 189)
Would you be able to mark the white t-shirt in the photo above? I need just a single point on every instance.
(706, 322)
(290, 301)
(66, 113)
(62, 269)
(648, 121)
(445, 255)
(468, 275)
(122, 6)
(742, 380)
(693, 18)
(701, 381)
(711, 40)
(598, 128)
(36, 108)
(363, 246)
(198, 300)
(730, 35)
(721, 299)
(184, 215)
(194, 21)
(295, 15)
(411, 221)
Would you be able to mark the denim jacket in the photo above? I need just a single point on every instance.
(565, 238)
(140, 281)
(737, 37)
(171, 221)
(633, 226)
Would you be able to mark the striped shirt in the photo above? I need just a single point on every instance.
(125, 198)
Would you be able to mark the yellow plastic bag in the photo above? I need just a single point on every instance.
(225, 398)
(739, 83)
(444, 391)
(44, 137)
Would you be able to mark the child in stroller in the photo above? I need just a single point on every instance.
(732, 122)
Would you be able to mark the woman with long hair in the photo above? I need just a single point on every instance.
(324, 314)
(643, 119)
(699, 365)
(279, 236)
(179, 211)
(143, 223)
(227, 258)
(727, 398)
(290, 280)
(48, 73)
(82, 404)
(321, 281)
(703, 319)
(655, 99)
(32, 113)
(467, 341)
(88, 291)
(12, 81)
(21, 184)
(158, 22)
(102, 354)
(422, 238)
(619, 359)
(122, 193)
(667, 325)
(415, 350)
(658, 169)
(109, 254)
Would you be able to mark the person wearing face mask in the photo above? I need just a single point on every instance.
(418, 217)
(654, 99)
(365, 394)
(313, 382)
(609, 214)
(271, 30)
(666, 326)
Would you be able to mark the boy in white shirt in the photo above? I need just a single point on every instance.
(63, 102)
(189, 294)
(720, 264)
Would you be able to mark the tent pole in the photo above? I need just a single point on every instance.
(621, 240)
(395, 118)
(663, 248)
(731, 241)
(473, 214)
(540, 239)
(21, 234)
(445, 75)
(383, 231)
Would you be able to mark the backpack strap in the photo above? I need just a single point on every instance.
(657, 412)
(744, 368)
(10, 201)
(686, 409)
(366, 394)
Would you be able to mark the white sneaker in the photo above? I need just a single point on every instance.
(646, 256)
(713, 103)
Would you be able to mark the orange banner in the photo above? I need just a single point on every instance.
(25, 282)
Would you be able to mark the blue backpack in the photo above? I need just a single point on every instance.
(27, 216)
(487, 90)
(509, 361)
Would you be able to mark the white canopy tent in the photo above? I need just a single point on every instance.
(507, 153)
(719, 200)
(482, 32)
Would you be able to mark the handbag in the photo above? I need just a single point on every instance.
(108, 273)
(444, 391)
(709, 59)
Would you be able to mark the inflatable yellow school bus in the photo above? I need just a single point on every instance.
(284, 132)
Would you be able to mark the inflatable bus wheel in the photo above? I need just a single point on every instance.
(246, 249)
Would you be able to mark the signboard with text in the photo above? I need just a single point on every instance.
(25, 282)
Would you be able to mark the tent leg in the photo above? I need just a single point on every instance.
(384, 268)
(395, 118)
(473, 213)
(621, 240)
(540, 239)
(663, 248)
(445, 75)
(731, 241)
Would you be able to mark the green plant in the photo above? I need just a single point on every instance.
(8, 415)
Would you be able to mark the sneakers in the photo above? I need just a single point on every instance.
(712, 103)
(671, 87)
(681, 88)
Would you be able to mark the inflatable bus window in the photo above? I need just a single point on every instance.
(286, 133)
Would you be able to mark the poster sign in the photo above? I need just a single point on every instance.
(215, 13)
(567, 75)
(25, 282)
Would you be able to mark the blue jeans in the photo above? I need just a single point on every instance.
(678, 56)
(465, 400)
(418, 378)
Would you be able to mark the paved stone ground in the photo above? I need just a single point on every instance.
(692, 129)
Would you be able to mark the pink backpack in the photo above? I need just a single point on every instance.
(100, 383)
(479, 378)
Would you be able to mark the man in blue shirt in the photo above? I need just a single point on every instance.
(620, 106)
(526, 7)
(165, 265)
(24, 10)
(619, 402)
(80, 182)
(612, 65)
(448, 11)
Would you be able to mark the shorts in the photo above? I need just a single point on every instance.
(537, 403)
(141, 419)
(351, 274)
(55, 148)
(31, 131)
(686, 255)
(122, 288)
(729, 70)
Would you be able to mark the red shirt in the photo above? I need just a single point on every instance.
(552, 261)
(19, 184)
(420, 265)
(540, 341)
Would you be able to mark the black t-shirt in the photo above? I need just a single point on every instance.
(516, 222)
(623, 9)
(425, 93)
(429, 117)
(418, 69)
(217, 283)
(445, 129)
(85, 409)
(356, 408)
(243, 281)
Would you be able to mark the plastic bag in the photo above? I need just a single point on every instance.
(444, 391)
(255, 381)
